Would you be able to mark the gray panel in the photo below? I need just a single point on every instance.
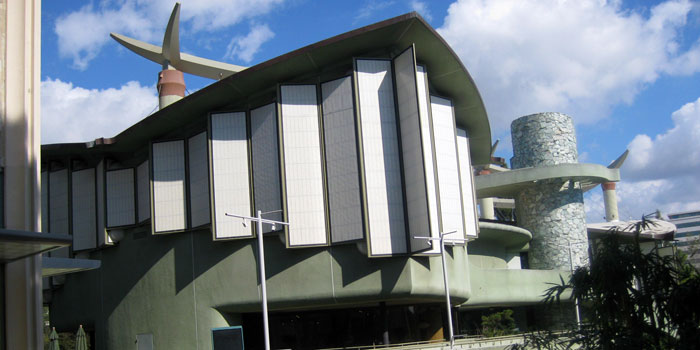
(230, 174)
(266, 163)
(84, 210)
(380, 154)
(121, 210)
(59, 221)
(199, 180)
(303, 170)
(169, 202)
(341, 161)
(412, 150)
(143, 184)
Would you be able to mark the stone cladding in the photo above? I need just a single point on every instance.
(553, 209)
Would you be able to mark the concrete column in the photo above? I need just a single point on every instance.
(486, 204)
(171, 87)
(553, 209)
(610, 199)
(20, 46)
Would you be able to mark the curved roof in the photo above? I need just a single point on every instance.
(448, 77)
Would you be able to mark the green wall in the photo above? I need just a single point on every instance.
(180, 286)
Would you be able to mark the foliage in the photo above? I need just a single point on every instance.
(633, 300)
(498, 324)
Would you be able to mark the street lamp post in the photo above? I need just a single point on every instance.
(452, 241)
(261, 263)
(571, 267)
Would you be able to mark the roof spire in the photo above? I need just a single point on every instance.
(168, 55)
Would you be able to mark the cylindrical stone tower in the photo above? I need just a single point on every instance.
(552, 210)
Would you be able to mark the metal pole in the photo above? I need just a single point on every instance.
(263, 285)
(447, 290)
(571, 266)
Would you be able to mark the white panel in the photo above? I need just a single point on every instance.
(143, 195)
(449, 192)
(230, 178)
(471, 219)
(121, 202)
(266, 163)
(380, 153)
(169, 186)
(58, 207)
(199, 180)
(430, 173)
(303, 173)
(44, 201)
(341, 161)
(102, 237)
(84, 211)
(412, 150)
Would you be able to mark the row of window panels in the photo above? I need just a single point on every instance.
(303, 188)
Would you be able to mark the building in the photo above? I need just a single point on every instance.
(688, 234)
(363, 143)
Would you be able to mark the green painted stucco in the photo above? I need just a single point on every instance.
(180, 286)
(503, 287)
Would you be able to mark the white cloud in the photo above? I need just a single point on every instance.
(82, 34)
(578, 57)
(245, 47)
(371, 8)
(74, 114)
(422, 8)
(660, 173)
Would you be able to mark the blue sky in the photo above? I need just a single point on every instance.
(627, 72)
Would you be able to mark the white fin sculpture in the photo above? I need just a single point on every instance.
(169, 55)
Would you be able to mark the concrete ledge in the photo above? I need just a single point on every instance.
(509, 183)
(61, 266)
(508, 235)
(502, 287)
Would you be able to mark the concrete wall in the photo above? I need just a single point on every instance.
(178, 286)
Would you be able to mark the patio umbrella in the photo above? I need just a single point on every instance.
(53, 340)
(81, 339)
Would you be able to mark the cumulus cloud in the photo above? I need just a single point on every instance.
(370, 8)
(73, 114)
(578, 57)
(422, 8)
(661, 172)
(245, 47)
(145, 20)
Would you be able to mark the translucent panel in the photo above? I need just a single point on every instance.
(303, 173)
(430, 173)
(412, 149)
(230, 178)
(44, 201)
(84, 209)
(471, 219)
(266, 163)
(199, 179)
(449, 192)
(143, 187)
(102, 237)
(168, 186)
(121, 203)
(341, 161)
(380, 154)
(58, 207)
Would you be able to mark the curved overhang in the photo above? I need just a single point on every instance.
(505, 287)
(448, 77)
(507, 235)
(508, 184)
